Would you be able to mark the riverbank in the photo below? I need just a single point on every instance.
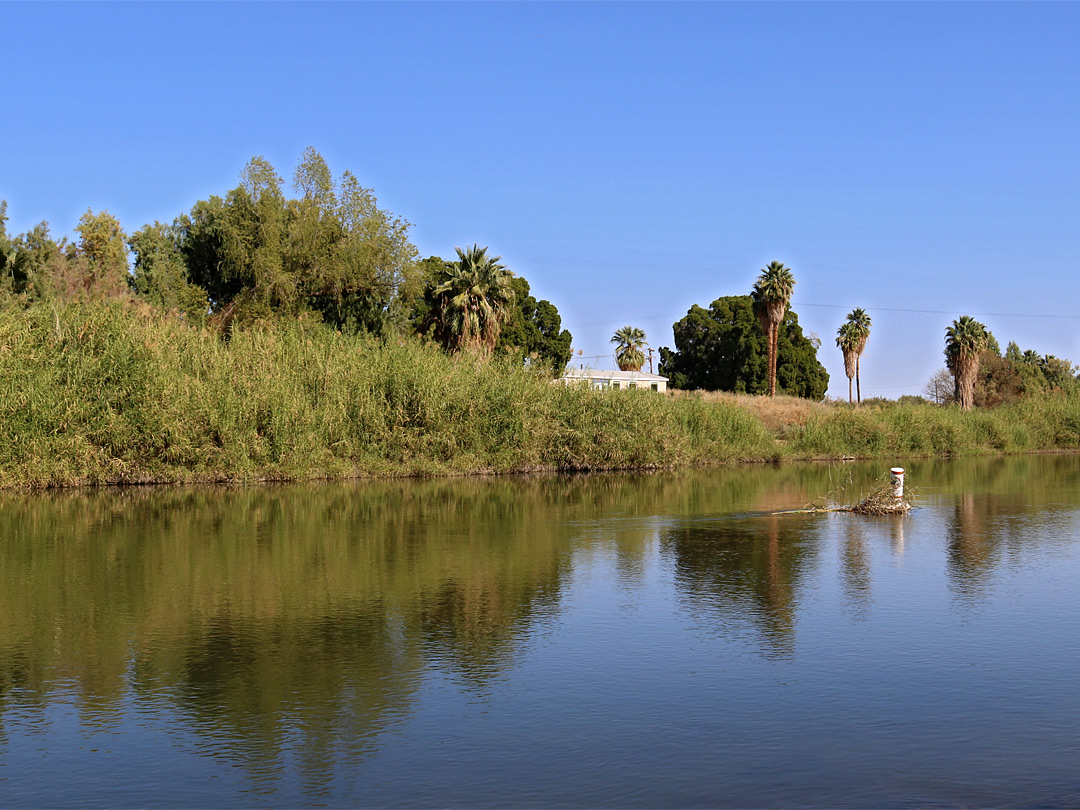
(116, 393)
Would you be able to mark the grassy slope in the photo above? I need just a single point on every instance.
(111, 393)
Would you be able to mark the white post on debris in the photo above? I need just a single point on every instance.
(897, 482)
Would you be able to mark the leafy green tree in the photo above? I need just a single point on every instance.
(376, 271)
(102, 253)
(535, 329)
(36, 256)
(771, 295)
(847, 340)
(160, 275)
(1017, 374)
(332, 250)
(13, 262)
(965, 341)
(723, 349)
(629, 348)
(473, 300)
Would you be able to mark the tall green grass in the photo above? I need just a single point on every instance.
(110, 393)
(113, 393)
(1051, 422)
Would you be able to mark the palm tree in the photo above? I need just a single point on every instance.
(964, 342)
(628, 350)
(473, 300)
(860, 323)
(771, 294)
(847, 340)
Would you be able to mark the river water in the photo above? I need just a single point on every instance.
(662, 640)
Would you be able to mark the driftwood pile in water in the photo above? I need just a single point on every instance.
(880, 501)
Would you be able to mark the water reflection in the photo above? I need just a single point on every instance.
(855, 564)
(297, 627)
(746, 572)
(298, 618)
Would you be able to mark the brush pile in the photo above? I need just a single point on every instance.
(883, 501)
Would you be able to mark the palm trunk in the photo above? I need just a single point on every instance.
(774, 337)
(858, 388)
(967, 371)
(850, 399)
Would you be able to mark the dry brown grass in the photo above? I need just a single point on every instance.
(775, 413)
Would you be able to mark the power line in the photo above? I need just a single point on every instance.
(950, 312)
(1048, 316)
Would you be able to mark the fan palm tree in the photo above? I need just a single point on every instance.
(474, 300)
(628, 350)
(771, 295)
(847, 340)
(964, 342)
(860, 322)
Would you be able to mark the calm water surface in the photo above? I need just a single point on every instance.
(609, 641)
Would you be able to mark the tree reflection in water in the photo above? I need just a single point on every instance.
(745, 572)
(292, 628)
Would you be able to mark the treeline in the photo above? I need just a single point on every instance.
(1009, 376)
(753, 344)
(256, 254)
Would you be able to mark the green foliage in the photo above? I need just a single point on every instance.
(912, 399)
(773, 288)
(160, 275)
(722, 349)
(13, 262)
(473, 299)
(113, 392)
(629, 344)
(534, 329)
(333, 251)
(33, 266)
(964, 340)
(914, 429)
(1016, 374)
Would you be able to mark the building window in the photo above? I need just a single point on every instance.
(632, 385)
(614, 383)
(656, 386)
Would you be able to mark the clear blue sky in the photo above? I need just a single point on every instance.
(920, 160)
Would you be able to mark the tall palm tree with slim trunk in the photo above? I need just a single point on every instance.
(860, 323)
(628, 350)
(474, 300)
(964, 342)
(772, 294)
(847, 340)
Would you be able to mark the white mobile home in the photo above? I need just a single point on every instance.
(598, 378)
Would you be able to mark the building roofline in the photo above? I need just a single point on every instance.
(594, 373)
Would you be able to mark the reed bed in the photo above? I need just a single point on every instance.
(105, 393)
(116, 393)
